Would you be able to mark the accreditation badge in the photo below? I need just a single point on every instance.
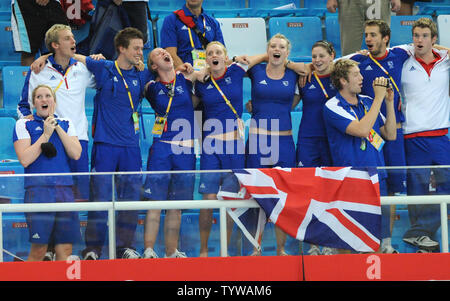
(241, 131)
(159, 126)
(376, 140)
(199, 59)
(135, 116)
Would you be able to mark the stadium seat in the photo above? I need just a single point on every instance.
(434, 8)
(168, 5)
(296, 117)
(8, 56)
(270, 4)
(11, 187)
(443, 23)
(226, 8)
(147, 122)
(317, 6)
(159, 25)
(244, 35)
(333, 32)
(401, 29)
(7, 125)
(247, 92)
(303, 32)
(89, 100)
(13, 81)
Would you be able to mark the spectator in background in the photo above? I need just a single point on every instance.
(312, 142)
(30, 20)
(120, 86)
(353, 14)
(182, 42)
(137, 14)
(407, 7)
(45, 144)
(425, 91)
(355, 126)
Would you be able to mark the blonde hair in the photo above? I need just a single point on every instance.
(281, 37)
(52, 35)
(340, 70)
(33, 94)
(218, 44)
(426, 23)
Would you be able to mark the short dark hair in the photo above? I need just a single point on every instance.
(123, 37)
(384, 28)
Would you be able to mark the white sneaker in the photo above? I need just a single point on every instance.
(130, 254)
(90, 256)
(49, 256)
(329, 251)
(73, 258)
(389, 250)
(150, 253)
(314, 250)
(422, 242)
(176, 254)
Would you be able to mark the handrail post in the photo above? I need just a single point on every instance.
(223, 232)
(1, 236)
(112, 223)
(444, 227)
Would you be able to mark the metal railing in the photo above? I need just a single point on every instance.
(114, 206)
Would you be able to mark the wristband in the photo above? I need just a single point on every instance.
(287, 63)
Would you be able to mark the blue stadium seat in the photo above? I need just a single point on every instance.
(318, 6)
(89, 100)
(13, 81)
(244, 35)
(333, 32)
(169, 5)
(11, 187)
(303, 32)
(247, 92)
(150, 42)
(8, 56)
(5, 10)
(226, 8)
(296, 117)
(159, 25)
(270, 4)
(147, 122)
(246, 117)
(443, 24)
(7, 125)
(434, 8)
(401, 27)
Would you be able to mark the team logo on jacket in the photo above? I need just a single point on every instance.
(390, 64)
(179, 90)
(135, 82)
(228, 80)
(285, 83)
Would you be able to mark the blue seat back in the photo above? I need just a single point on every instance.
(333, 32)
(303, 32)
(7, 151)
(13, 81)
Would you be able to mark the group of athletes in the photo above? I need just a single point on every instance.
(387, 106)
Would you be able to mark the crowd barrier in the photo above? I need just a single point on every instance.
(115, 206)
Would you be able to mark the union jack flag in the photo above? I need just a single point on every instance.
(334, 207)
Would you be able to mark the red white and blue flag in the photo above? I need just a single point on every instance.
(332, 206)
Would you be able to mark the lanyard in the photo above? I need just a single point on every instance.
(390, 77)
(171, 95)
(126, 85)
(224, 97)
(321, 85)
(190, 34)
(365, 111)
(63, 79)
